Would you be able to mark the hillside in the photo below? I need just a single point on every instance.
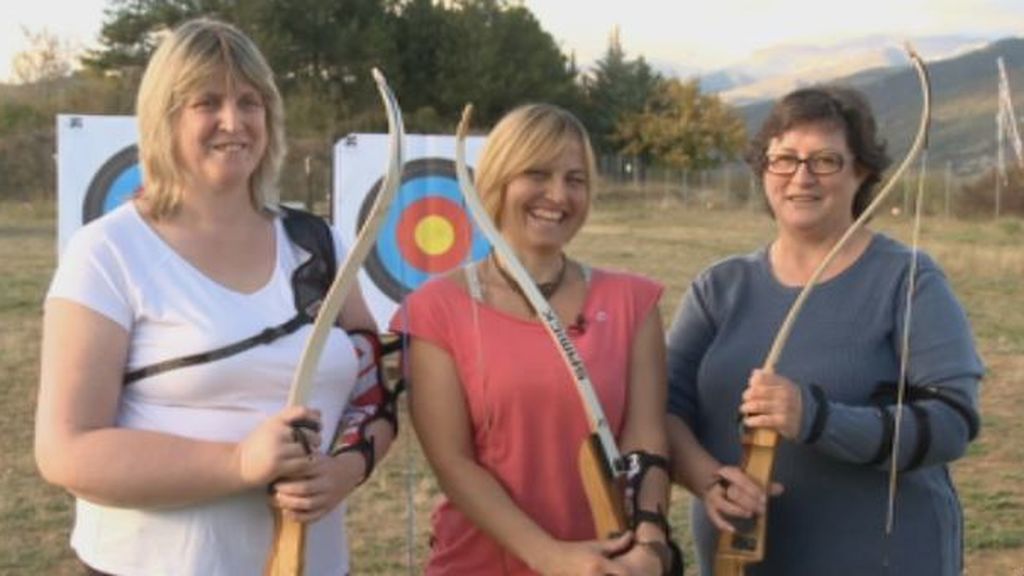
(776, 70)
(963, 99)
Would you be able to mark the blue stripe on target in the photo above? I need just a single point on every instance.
(123, 188)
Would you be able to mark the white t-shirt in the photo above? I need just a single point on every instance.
(119, 267)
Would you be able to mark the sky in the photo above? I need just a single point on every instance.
(680, 35)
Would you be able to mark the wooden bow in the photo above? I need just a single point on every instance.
(601, 464)
(737, 550)
(287, 557)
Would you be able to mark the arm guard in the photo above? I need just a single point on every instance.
(371, 400)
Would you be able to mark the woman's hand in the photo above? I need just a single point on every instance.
(329, 481)
(735, 495)
(275, 450)
(641, 561)
(590, 558)
(772, 401)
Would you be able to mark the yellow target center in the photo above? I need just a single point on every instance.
(434, 235)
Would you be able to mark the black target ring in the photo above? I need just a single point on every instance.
(114, 183)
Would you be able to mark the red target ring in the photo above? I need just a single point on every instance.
(434, 234)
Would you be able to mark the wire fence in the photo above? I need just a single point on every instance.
(732, 186)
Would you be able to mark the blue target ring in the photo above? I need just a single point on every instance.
(115, 182)
(124, 187)
(422, 180)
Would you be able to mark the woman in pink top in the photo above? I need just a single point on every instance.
(492, 401)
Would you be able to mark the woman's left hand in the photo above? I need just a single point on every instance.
(772, 401)
(331, 479)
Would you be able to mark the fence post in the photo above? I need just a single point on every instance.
(308, 167)
(999, 193)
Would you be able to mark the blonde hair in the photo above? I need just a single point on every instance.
(192, 54)
(530, 136)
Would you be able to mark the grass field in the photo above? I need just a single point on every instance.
(389, 517)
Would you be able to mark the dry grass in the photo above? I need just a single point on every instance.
(651, 235)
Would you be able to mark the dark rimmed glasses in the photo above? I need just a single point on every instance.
(819, 163)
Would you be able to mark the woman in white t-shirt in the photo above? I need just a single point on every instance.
(170, 471)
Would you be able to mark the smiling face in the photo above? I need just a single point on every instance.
(220, 135)
(806, 202)
(192, 64)
(546, 204)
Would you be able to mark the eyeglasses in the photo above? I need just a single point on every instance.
(819, 163)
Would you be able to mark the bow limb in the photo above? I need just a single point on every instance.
(287, 557)
(736, 550)
(901, 385)
(601, 463)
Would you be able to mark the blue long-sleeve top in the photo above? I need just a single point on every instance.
(846, 343)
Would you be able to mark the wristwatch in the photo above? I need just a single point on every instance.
(661, 550)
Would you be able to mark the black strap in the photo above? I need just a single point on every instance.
(924, 436)
(820, 414)
(886, 394)
(310, 282)
(264, 337)
(657, 518)
(313, 278)
(969, 415)
(638, 464)
(884, 451)
(367, 448)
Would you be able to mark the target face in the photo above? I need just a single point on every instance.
(427, 230)
(115, 182)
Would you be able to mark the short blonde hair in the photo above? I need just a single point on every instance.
(192, 54)
(529, 136)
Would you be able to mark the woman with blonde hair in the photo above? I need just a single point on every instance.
(162, 389)
(492, 402)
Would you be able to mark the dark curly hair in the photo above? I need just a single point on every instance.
(844, 107)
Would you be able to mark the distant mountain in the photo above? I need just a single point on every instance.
(724, 80)
(672, 68)
(964, 92)
(780, 69)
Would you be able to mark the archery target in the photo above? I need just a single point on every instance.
(97, 169)
(116, 181)
(427, 231)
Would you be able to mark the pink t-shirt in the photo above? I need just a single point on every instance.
(528, 419)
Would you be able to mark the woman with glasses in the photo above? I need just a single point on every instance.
(832, 396)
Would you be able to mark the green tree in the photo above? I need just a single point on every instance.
(618, 86)
(422, 35)
(322, 53)
(437, 55)
(489, 52)
(132, 28)
(682, 128)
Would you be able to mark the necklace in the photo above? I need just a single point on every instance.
(547, 289)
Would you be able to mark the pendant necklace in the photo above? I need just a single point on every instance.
(547, 289)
